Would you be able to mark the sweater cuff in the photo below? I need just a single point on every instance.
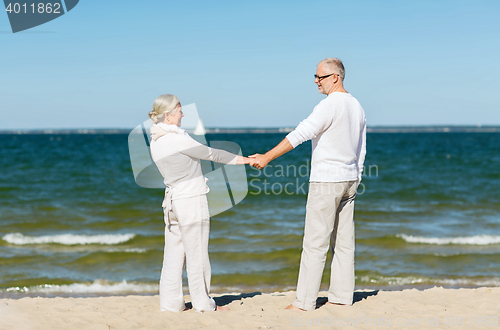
(293, 139)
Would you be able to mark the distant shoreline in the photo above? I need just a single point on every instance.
(266, 130)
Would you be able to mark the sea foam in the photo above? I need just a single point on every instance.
(132, 250)
(412, 280)
(466, 240)
(98, 286)
(67, 239)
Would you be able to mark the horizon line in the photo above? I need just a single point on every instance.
(240, 130)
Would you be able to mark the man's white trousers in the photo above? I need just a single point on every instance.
(329, 221)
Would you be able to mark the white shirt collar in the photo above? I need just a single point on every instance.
(171, 128)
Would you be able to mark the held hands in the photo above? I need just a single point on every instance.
(242, 160)
(259, 161)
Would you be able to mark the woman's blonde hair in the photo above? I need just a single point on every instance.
(165, 103)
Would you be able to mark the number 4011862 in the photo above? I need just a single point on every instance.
(472, 321)
(40, 8)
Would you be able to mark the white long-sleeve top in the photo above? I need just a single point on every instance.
(337, 127)
(177, 157)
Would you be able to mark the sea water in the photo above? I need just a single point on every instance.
(73, 221)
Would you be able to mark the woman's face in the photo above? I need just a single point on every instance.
(176, 118)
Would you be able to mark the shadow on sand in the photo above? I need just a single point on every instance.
(358, 296)
(227, 299)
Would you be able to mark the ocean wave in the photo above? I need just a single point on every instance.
(98, 286)
(466, 240)
(408, 280)
(132, 250)
(68, 239)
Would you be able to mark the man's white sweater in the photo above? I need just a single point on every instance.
(337, 127)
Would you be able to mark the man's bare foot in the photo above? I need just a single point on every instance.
(294, 308)
(221, 309)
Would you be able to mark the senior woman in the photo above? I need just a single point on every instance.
(185, 207)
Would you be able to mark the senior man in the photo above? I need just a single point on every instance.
(337, 127)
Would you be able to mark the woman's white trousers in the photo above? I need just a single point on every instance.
(186, 243)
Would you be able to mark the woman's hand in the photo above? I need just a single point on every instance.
(243, 160)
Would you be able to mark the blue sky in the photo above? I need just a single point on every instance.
(252, 63)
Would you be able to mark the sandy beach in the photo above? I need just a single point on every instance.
(435, 308)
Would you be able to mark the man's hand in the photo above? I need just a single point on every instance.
(259, 161)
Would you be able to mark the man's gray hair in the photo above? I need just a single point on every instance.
(334, 65)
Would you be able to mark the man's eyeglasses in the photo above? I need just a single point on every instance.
(323, 77)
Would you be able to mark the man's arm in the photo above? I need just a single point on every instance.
(318, 121)
(260, 161)
(361, 153)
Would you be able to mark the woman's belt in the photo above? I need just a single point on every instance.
(167, 202)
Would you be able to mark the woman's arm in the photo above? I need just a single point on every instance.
(190, 147)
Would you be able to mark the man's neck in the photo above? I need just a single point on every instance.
(339, 89)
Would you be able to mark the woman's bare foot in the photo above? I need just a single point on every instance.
(221, 309)
(294, 308)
